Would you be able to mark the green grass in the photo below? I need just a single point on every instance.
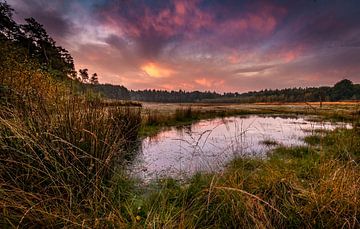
(298, 187)
(269, 142)
(313, 139)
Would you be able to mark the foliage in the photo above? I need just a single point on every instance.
(36, 43)
(94, 79)
(109, 91)
(172, 96)
(343, 89)
(84, 75)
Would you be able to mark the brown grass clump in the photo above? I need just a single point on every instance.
(61, 152)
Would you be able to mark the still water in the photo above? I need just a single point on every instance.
(210, 144)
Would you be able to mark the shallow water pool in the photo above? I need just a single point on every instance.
(209, 145)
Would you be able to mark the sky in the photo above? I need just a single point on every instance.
(213, 45)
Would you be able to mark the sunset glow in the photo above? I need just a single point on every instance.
(206, 45)
(156, 71)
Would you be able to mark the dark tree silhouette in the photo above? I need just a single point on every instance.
(8, 27)
(94, 79)
(343, 89)
(84, 75)
(33, 38)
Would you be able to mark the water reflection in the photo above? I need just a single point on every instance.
(208, 145)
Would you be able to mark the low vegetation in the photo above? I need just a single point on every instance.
(159, 116)
(269, 142)
(155, 120)
(300, 187)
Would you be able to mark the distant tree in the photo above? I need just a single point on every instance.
(342, 90)
(84, 75)
(111, 91)
(94, 79)
(356, 92)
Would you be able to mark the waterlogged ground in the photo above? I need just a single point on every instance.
(210, 144)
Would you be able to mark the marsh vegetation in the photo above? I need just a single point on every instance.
(209, 145)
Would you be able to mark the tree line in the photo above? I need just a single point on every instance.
(180, 96)
(342, 90)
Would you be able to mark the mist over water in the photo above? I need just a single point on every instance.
(210, 144)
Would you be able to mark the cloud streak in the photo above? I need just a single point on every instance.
(222, 45)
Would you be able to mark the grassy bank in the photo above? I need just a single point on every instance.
(313, 186)
(61, 150)
(302, 187)
(155, 120)
(159, 116)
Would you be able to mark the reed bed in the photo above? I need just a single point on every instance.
(61, 151)
(301, 187)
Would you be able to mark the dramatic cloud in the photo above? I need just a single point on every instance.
(222, 45)
(155, 70)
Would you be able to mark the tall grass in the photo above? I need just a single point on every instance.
(186, 114)
(61, 152)
(181, 115)
(154, 120)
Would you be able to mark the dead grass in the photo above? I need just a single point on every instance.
(61, 151)
(352, 102)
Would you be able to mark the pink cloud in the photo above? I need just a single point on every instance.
(260, 20)
(291, 55)
(167, 22)
(183, 45)
(209, 83)
(180, 7)
(285, 54)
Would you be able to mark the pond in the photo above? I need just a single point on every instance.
(209, 145)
